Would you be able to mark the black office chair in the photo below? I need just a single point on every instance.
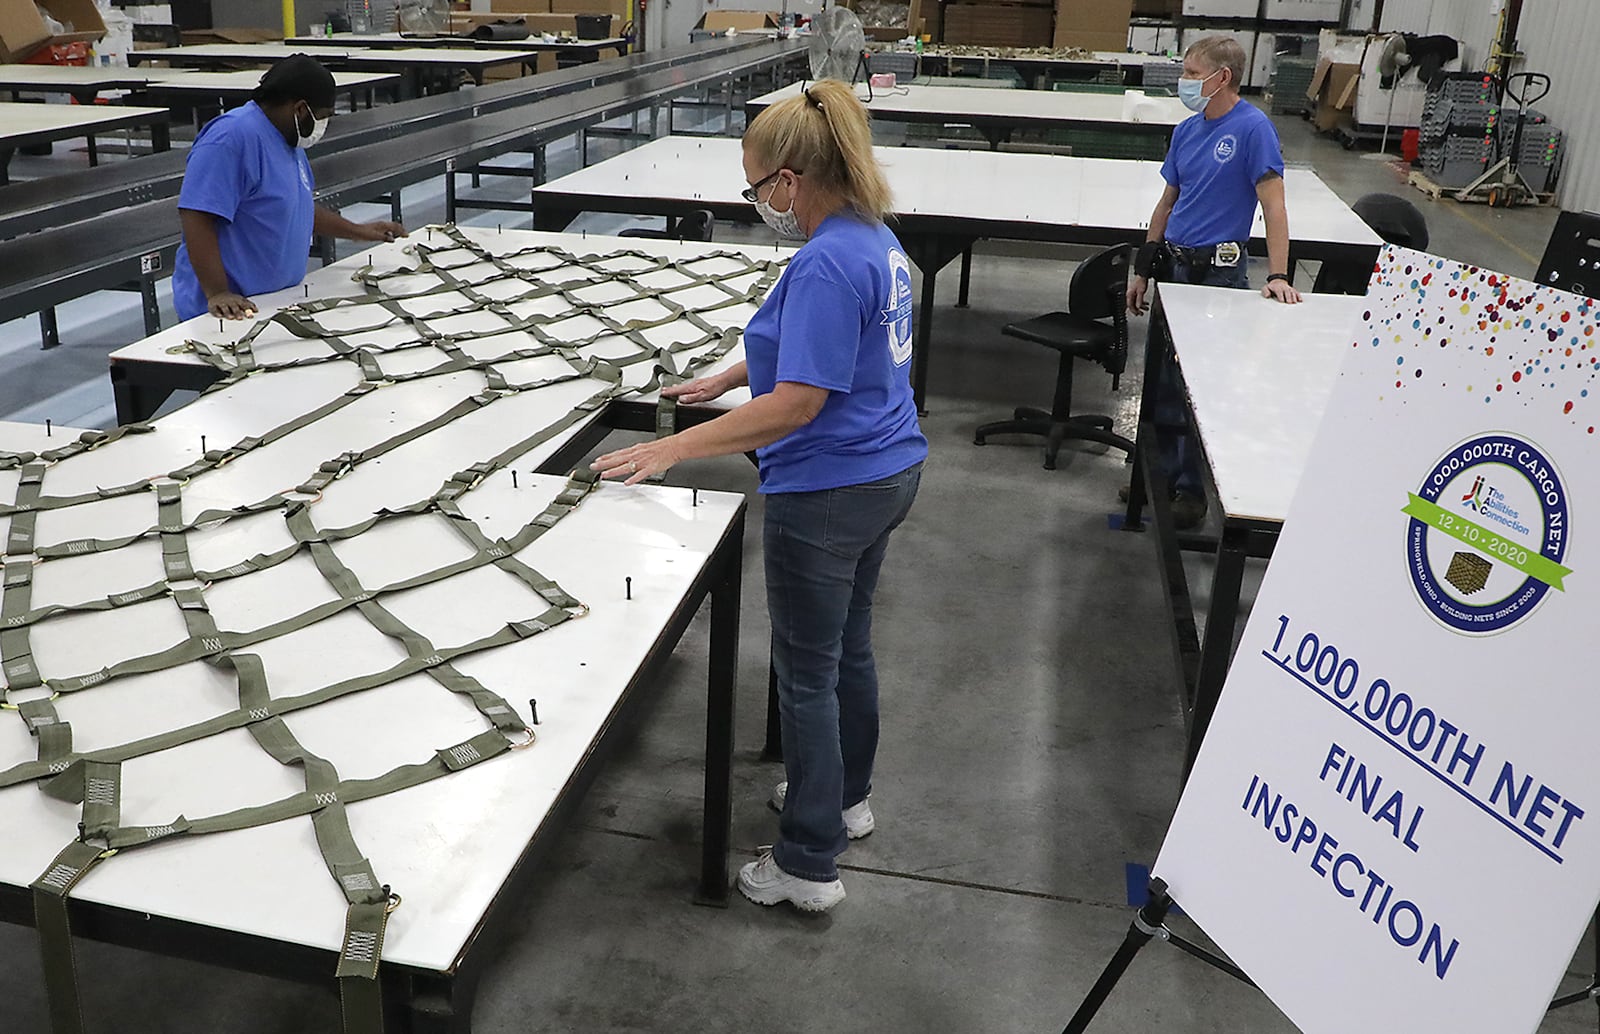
(696, 226)
(1394, 219)
(1098, 292)
(1571, 259)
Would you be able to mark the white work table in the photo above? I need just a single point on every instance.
(24, 124)
(188, 86)
(1023, 196)
(1258, 374)
(459, 849)
(84, 84)
(1042, 60)
(398, 40)
(945, 200)
(998, 110)
(414, 61)
(19, 437)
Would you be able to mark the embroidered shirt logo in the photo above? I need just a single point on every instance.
(897, 314)
(1225, 149)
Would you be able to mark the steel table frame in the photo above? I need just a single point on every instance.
(931, 242)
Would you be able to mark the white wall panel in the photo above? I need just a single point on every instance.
(1560, 38)
(1470, 21)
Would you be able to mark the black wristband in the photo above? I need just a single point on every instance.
(1145, 263)
(1277, 276)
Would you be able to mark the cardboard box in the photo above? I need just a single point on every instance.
(555, 24)
(722, 21)
(615, 8)
(997, 25)
(1093, 24)
(1333, 89)
(520, 6)
(192, 37)
(22, 31)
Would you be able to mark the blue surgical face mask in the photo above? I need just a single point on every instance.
(1189, 92)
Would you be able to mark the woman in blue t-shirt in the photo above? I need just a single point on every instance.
(833, 424)
(246, 203)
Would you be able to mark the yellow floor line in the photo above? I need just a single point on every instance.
(1491, 231)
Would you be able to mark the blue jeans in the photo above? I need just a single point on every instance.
(823, 553)
(1180, 459)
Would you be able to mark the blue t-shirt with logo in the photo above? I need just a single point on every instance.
(245, 173)
(1216, 164)
(840, 319)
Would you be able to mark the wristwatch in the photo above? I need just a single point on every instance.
(1277, 276)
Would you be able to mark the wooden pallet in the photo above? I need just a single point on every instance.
(1435, 191)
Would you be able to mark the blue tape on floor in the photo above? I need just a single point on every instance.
(1139, 886)
(1114, 521)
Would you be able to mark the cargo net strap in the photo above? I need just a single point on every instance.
(627, 320)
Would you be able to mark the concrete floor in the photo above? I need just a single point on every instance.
(1030, 752)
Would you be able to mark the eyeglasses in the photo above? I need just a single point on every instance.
(751, 193)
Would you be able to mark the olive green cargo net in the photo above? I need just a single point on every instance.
(594, 312)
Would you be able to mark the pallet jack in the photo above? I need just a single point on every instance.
(1501, 185)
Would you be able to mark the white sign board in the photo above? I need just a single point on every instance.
(1394, 821)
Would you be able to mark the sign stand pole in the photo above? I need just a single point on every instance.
(1147, 923)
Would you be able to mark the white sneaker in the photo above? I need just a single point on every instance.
(858, 821)
(764, 883)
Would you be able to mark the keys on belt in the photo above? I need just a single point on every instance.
(1228, 254)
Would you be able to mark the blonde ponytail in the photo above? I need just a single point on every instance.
(826, 135)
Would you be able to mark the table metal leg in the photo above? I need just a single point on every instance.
(151, 306)
(966, 278)
(1216, 649)
(1146, 461)
(931, 254)
(772, 750)
(722, 681)
(924, 342)
(440, 1004)
(49, 334)
(94, 153)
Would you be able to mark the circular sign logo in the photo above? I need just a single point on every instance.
(1225, 148)
(897, 316)
(1488, 531)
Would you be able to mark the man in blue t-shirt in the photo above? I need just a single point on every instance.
(246, 205)
(1222, 163)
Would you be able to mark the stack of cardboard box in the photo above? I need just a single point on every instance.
(999, 23)
(1093, 24)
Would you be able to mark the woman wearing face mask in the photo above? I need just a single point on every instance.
(246, 207)
(834, 427)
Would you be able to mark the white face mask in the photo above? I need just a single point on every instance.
(787, 224)
(1190, 92)
(309, 140)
